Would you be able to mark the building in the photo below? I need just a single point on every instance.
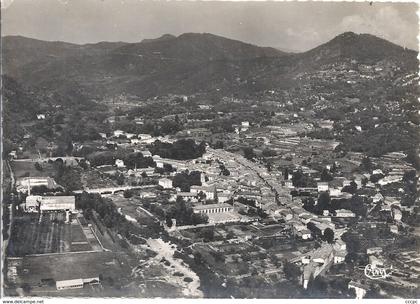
(344, 213)
(166, 183)
(210, 192)
(396, 213)
(119, 163)
(393, 229)
(359, 289)
(40, 116)
(213, 208)
(146, 153)
(27, 183)
(13, 154)
(75, 283)
(374, 250)
(69, 284)
(322, 186)
(118, 133)
(34, 203)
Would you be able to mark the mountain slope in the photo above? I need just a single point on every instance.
(185, 64)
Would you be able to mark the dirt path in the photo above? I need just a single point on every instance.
(165, 250)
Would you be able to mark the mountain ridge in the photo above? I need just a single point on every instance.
(188, 63)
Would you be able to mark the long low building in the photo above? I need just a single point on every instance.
(75, 283)
(34, 203)
(213, 208)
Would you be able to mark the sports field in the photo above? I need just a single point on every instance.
(46, 234)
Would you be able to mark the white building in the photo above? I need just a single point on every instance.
(26, 183)
(119, 163)
(40, 116)
(322, 186)
(344, 213)
(118, 133)
(166, 183)
(359, 289)
(245, 124)
(213, 208)
(75, 283)
(49, 203)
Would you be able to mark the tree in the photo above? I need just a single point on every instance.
(309, 204)
(128, 193)
(291, 271)
(38, 167)
(326, 176)
(352, 188)
(120, 179)
(329, 235)
(207, 234)
(249, 153)
(169, 222)
(324, 202)
(366, 164)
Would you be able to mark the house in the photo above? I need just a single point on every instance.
(344, 213)
(187, 196)
(339, 257)
(145, 153)
(166, 183)
(393, 229)
(13, 154)
(210, 192)
(145, 136)
(326, 124)
(373, 250)
(322, 186)
(396, 213)
(118, 133)
(305, 234)
(223, 197)
(119, 163)
(335, 192)
(40, 116)
(360, 289)
(377, 172)
(289, 184)
(378, 198)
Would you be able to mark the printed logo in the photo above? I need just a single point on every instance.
(374, 272)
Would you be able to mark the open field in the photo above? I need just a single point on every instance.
(113, 268)
(27, 168)
(32, 235)
(132, 207)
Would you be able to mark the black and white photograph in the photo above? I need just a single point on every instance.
(209, 150)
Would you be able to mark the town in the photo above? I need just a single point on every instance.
(204, 211)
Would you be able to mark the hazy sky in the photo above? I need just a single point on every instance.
(286, 25)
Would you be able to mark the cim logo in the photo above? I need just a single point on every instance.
(375, 272)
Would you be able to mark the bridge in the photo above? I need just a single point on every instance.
(46, 159)
(113, 190)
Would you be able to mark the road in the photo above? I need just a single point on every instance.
(9, 230)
